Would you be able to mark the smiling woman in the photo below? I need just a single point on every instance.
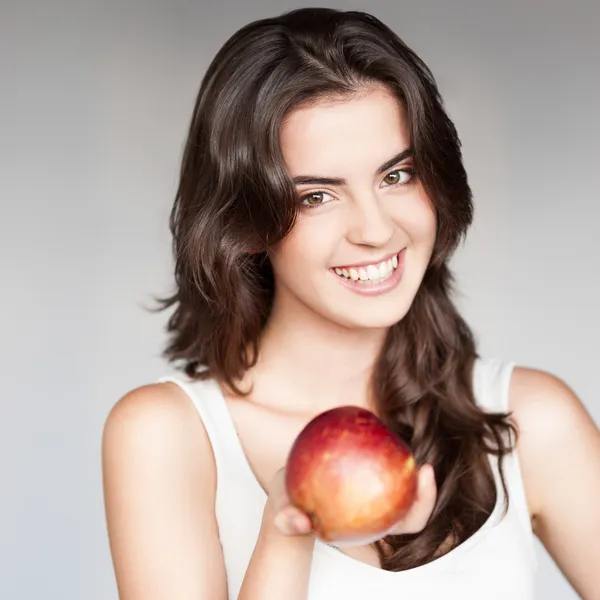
(322, 194)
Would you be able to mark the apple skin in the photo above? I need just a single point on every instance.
(351, 475)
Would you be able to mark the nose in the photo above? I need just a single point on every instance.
(368, 223)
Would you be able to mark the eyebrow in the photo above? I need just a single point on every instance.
(315, 180)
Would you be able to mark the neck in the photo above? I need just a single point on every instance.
(308, 364)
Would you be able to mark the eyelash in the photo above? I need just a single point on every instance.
(408, 171)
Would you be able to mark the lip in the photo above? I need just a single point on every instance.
(375, 289)
(367, 263)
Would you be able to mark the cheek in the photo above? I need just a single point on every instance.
(309, 243)
(417, 218)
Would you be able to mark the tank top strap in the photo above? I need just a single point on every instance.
(208, 399)
(491, 383)
(491, 386)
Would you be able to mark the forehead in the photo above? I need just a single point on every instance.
(343, 137)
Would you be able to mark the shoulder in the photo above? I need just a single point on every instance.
(156, 422)
(545, 407)
(149, 402)
(542, 398)
(554, 428)
(153, 408)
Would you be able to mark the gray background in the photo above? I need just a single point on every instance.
(95, 100)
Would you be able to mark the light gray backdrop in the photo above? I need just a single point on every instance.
(95, 100)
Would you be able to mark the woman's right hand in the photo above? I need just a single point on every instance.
(286, 519)
(291, 521)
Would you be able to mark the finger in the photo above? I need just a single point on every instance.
(291, 521)
(425, 499)
(418, 514)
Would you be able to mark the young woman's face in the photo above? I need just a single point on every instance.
(366, 229)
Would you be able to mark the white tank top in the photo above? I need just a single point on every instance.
(496, 562)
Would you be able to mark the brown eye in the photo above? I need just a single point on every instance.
(400, 176)
(315, 199)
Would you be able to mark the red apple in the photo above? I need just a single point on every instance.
(351, 475)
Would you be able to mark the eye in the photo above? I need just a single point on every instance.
(398, 177)
(315, 198)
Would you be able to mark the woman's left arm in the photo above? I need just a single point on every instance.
(559, 452)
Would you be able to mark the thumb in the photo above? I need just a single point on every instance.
(418, 514)
(425, 500)
(291, 521)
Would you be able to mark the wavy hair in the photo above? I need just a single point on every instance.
(235, 199)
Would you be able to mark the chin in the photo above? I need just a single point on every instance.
(371, 312)
(369, 319)
(366, 313)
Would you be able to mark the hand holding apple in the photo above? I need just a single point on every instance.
(356, 480)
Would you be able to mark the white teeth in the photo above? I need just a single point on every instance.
(371, 273)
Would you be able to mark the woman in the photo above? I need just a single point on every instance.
(322, 194)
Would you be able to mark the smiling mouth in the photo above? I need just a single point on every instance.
(369, 274)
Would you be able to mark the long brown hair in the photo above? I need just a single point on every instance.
(235, 199)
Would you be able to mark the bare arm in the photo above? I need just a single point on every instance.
(559, 449)
(159, 486)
